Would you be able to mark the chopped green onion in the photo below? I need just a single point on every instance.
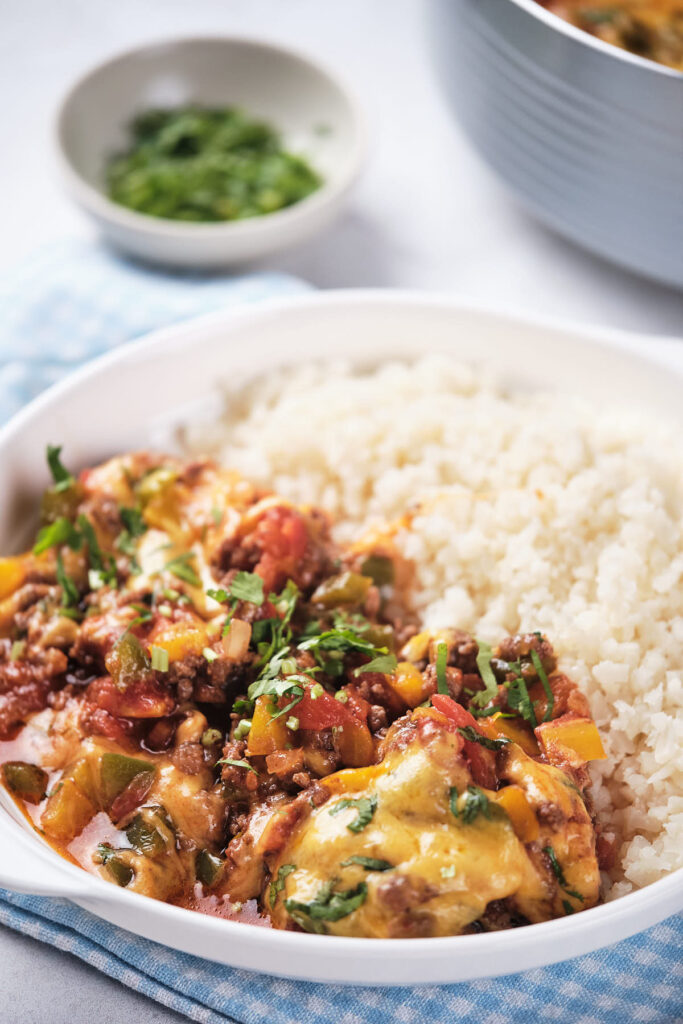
(242, 728)
(209, 654)
(441, 659)
(292, 723)
(17, 650)
(540, 671)
(159, 658)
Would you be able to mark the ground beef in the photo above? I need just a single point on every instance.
(25, 685)
(518, 648)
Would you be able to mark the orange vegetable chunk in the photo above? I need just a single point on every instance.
(572, 733)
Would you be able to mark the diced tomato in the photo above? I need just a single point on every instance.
(456, 712)
(143, 698)
(282, 538)
(482, 762)
(322, 712)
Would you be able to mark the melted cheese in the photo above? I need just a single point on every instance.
(446, 870)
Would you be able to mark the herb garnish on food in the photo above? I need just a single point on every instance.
(366, 807)
(475, 802)
(327, 906)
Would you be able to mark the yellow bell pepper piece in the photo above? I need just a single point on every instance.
(408, 683)
(356, 745)
(579, 735)
(350, 780)
(515, 804)
(179, 639)
(267, 734)
(12, 575)
(513, 729)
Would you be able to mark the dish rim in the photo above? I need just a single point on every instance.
(89, 890)
(554, 21)
(99, 204)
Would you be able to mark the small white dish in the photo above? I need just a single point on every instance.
(316, 115)
(136, 396)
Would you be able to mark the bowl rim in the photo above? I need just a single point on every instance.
(536, 10)
(91, 890)
(98, 203)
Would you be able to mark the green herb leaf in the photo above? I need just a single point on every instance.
(385, 663)
(559, 873)
(278, 884)
(247, 586)
(327, 906)
(568, 908)
(70, 594)
(484, 656)
(475, 803)
(368, 863)
(238, 764)
(61, 476)
(519, 700)
(103, 568)
(62, 531)
(540, 671)
(133, 521)
(366, 807)
(181, 566)
(471, 734)
(441, 659)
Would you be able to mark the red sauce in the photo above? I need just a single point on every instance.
(222, 906)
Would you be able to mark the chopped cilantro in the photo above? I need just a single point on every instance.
(327, 906)
(247, 586)
(475, 802)
(70, 595)
(540, 671)
(278, 883)
(471, 734)
(61, 476)
(559, 873)
(441, 659)
(385, 663)
(103, 568)
(62, 531)
(366, 807)
(519, 700)
(181, 567)
(238, 764)
(368, 863)
(484, 656)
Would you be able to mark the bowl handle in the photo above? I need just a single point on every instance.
(29, 866)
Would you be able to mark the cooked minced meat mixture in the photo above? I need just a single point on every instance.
(203, 699)
(650, 28)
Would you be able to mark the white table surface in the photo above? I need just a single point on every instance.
(427, 214)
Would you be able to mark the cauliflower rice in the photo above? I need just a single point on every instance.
(528, 512)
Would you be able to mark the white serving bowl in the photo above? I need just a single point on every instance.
(133, 397)
(316, 115)
(588, 136)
